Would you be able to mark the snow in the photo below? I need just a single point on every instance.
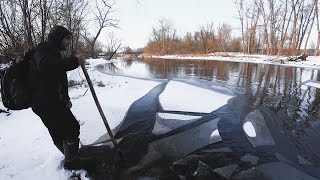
(215, 136)
(249, 129)
(183, 97)
(27, 151)
(312, 61)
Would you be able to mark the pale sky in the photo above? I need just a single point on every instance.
(137, 17)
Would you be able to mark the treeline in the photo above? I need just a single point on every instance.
(208, 39)
(25, 23)
(278, 26)
(272, 27)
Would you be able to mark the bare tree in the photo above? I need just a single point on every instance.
(286, 15)
(113, 43)
(316, 53)
(239, 4)
(306, 19)
(162, 37)
(282, 24)
(10, 26)
(224, 36)
(73, 16)
(26, 8)
(103, 10)
(312, 17)
(207, 36)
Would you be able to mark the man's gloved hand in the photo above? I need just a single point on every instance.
(81, 58)
(69, 105)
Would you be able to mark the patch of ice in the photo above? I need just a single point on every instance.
(166, 122)
(227, 171)
(304, 87)
(280, 157)
(249, 129)
(303, 161)
(263, 136)
(184, 97)
(185, 142)
(250, 158)
(203, 170)
(224, 149)
(176, 116)
(215, 136)
(280, 170)
(312, 83)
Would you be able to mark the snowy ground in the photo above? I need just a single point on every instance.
(312, 61)
(27, 151)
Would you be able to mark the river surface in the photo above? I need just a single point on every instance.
(290, 109)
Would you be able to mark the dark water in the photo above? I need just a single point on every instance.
(276, 86)
(291, 110)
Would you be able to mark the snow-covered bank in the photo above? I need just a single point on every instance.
(26, 148)
(312, 61)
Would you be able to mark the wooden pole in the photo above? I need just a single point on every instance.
(100, 109)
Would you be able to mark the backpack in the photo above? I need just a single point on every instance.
(15, 91)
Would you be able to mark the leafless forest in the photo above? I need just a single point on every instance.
(272, 27)
(25, 23)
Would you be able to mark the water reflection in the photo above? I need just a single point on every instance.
(276, 87)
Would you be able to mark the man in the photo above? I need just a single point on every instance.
(50, 99)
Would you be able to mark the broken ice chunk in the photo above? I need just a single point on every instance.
(250, 158)
(227, 171)
(280, 170)
(257, 130)
(280, 157)
(249, 129)
(204, 172)
(166, 122)
(183, 143)
(215, 136)
(180, 96)
(303, 161)
(311, 83)
(214, 150)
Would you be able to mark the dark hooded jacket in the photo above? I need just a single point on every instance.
(48, 78)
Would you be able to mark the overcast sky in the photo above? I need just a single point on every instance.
(137, 17)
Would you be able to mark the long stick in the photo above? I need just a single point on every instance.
(100, 109)
(114, 52)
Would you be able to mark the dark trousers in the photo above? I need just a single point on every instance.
(61, 123)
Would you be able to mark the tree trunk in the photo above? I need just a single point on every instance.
(316, 53)
(309, 33)
(94, 42)
(294, 30)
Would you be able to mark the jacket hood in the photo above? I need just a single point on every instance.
(56, 35)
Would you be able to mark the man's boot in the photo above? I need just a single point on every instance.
(58, 144)
(72, 158)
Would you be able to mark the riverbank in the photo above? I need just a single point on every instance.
(311, 62)
(27, 151)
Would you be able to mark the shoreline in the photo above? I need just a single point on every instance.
(311, 62)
